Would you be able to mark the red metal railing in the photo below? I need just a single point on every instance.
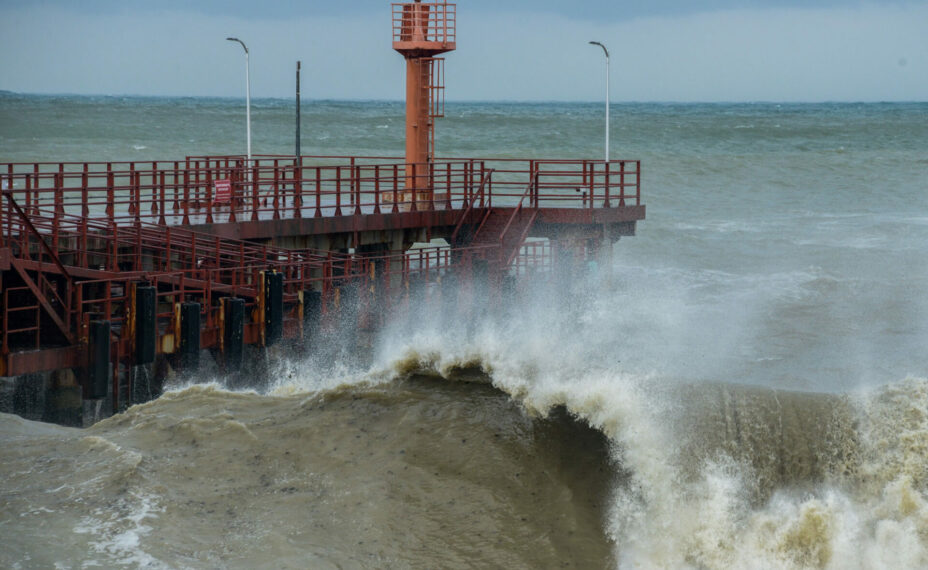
(105, 259)
(184, 192)
(481, 195)
(424, 22)
(78, 234)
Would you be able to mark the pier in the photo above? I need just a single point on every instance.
(108, 268)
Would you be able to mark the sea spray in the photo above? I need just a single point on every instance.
(725, 475)
(745, 369)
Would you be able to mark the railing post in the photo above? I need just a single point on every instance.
(176, 205)
(186, 202)
(138, 245)
(468, 182)
(137, 185)
(396, 187)
(486, 197)
(338, 190)
(606, 166)
(622, 184)
(162, 195)
(197, 198)
(154, 189)
(59, 191)
(3, 223)
(255, 198)
(131, 186)
(318, 192)
(298, 190)
(592, 183)
(276, 187)
(209, 196)
(352, 181)
(448, 184)
(28, 191)
(110, 192)
(36, 190)
(356, 179)
(586, 166)
(531, 176)
(533, 200)
(58, 207)
(376, 188)
(114, 255)
(85, 208)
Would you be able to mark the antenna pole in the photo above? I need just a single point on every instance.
(299, 156)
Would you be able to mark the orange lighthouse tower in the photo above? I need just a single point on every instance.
(421, 31)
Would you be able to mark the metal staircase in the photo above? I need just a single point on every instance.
(508, 229)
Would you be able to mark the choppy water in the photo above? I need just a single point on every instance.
(747, 390)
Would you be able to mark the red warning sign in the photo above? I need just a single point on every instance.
(222, 191)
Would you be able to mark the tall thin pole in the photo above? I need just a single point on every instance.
(607, 108)
(607, 96)
(248, 103)
(299, 156)
(247, 96)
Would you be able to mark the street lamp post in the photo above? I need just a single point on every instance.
(247, 97)
(607, 95)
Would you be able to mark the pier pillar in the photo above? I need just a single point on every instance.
(273, 307)
(63, 402)
(98, 370)
(143, 323)
(375, 292)
(233, 332)
(312, 315)
(190, 336)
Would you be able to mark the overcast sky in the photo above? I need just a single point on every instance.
(663, 50)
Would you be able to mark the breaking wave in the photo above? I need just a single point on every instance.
(729, 476)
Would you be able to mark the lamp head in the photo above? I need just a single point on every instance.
(239, 41)
(602, 46)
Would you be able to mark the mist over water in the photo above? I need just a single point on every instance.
(743, 389)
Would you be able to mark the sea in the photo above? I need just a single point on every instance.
(743, 385)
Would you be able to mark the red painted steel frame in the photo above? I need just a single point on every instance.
(181, 193)
(75, 236)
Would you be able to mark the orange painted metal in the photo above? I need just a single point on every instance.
(74, 237)
(421, 31)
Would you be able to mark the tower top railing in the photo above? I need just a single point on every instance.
(424, 27)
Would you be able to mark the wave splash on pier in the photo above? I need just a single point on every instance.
(484, 448)
(712, 475)
(740, 398)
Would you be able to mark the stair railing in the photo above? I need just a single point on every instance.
(44, 288)
(518, 210)
(479, 194)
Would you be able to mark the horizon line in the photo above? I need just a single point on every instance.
(6, 92)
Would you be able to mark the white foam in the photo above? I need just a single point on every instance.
(117, 530)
